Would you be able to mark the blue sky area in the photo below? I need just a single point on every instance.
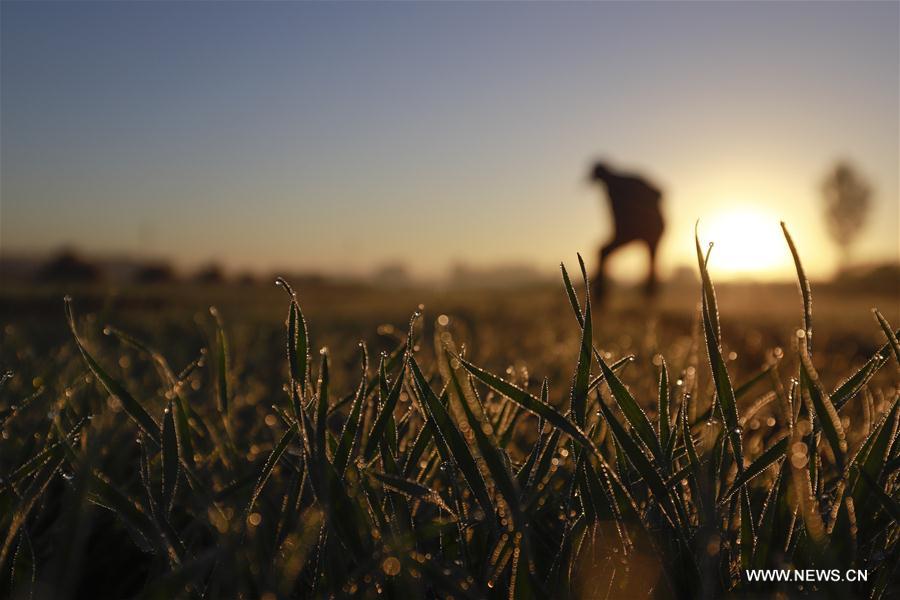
(338, 137)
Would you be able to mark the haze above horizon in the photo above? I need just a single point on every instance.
(348, 136)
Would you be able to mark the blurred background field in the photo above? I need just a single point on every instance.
(524, 332)
(523, 326)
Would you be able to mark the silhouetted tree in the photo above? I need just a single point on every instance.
(846, 195)
(211, 273)
(69, 267)
(247, 278)
(158, 272)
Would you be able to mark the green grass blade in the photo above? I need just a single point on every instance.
(23, 572)
(663, 420)
(221, 364)
(497, 467)
(523, 476)
(770, 456)
(528, 402)
(632, 411)
(349, 440)
(105, 494)
(888, 504)
(748, 536)
(805, 292)
(889, 333)
(579, 391)
(712, 333)
(708, 292)
(673, 437)
(532, 486)
(693, 458)
(641, 463)
(29, 498)
(876, 453)
(51, 450)
(616, 367)
(825, 412)
(454, 440)
(412, 489)
(272, 460)
(389, 402)
(297, 340)
(775, 502)
(423, 439)
(170, 458)
(847, 390)
(573, 298)
(175, 383)
(131, 406)
(322, 409)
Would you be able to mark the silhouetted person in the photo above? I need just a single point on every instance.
(636, 217)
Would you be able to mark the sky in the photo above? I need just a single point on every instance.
(340, 137)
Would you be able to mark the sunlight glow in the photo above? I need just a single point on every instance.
(747, 242)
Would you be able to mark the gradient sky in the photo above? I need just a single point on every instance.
(338, 137)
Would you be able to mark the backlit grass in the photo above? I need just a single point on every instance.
(430, 476)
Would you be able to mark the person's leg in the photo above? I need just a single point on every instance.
(598, 281)
(650, 287)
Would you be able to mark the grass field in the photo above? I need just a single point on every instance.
(503, 443)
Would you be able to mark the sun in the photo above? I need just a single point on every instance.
(747, 242)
